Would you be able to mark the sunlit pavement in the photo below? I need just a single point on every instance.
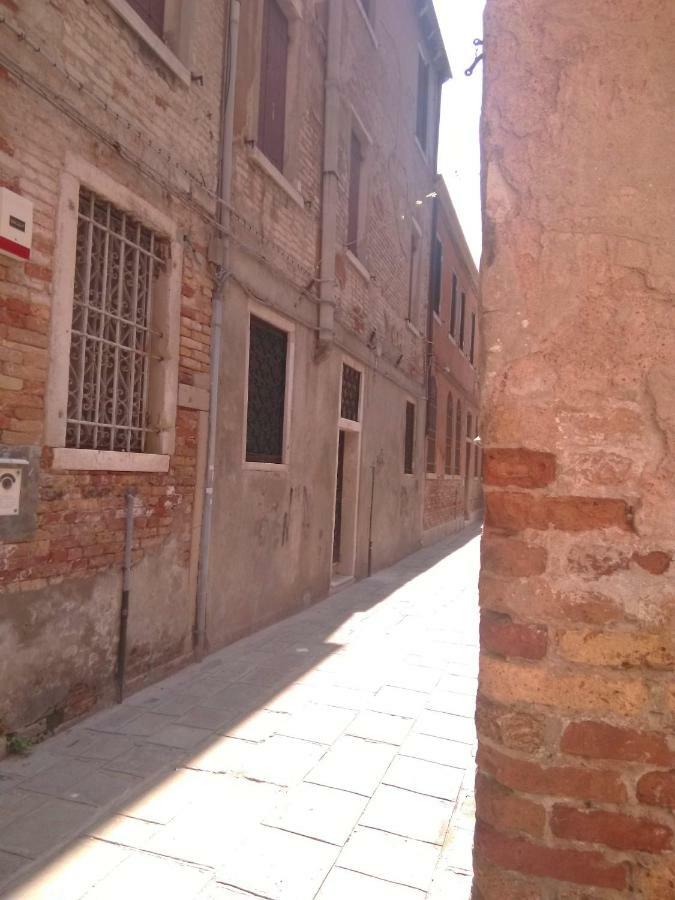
(329, 756)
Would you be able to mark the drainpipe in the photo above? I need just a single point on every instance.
(219, 253)
(330, 177)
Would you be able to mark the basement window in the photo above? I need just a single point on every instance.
(266, 402)
(409, 442)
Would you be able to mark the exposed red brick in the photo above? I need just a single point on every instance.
(500, 634)
(657, 789)
(511, 558)
(521, 855)
(559, 781)
(657, 562)
(516, 511)
(598, 740)
(498, 884)
(504, 810)
(512, 728)
(613, 829)
(518, 467)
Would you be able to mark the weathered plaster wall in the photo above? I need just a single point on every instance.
(60, 579)
(576, 716)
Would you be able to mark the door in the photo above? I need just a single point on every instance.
(339, 484)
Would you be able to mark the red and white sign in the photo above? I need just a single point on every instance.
(16, 225)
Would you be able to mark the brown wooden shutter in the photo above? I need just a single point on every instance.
(273, 70)
(152, 13)
(354, 195)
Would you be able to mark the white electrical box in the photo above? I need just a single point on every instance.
(10, 485)
(16, 225)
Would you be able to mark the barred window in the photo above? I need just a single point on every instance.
(449, 424)
(431, 426)
(117, 263)
(409, 444)
(351, 393)
(268, 352)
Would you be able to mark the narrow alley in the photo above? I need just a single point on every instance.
(328, 756)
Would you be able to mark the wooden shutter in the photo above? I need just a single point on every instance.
(354, 195)
(422, 102)
(152, 13)
(273, 70)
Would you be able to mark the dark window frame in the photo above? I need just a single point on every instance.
(462, 320)
(437, 277)
(453, 306)
(409, 439)
(270, 455)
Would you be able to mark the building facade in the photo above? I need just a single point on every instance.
(215, 356)
(452, 490)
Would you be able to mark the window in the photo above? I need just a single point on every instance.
(413, 285)
(431, 426)
(354, 200)
(152, 13)
(273, 74)
(453, 307)
(449, 424)
(117, 263)
(351, 393)
(422, 127)
(473, 337)
(437, 277)
(458, 438)
(462, 316)
(267, 365)
(476, 468)
(409, 447)
(469, 443)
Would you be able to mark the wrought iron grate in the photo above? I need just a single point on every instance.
(351, 393)
(116, 265)
(268, 350)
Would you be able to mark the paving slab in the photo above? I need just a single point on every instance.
(328, 757)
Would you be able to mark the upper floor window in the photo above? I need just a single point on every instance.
(152, 13)
(431, 426)
(354, 199)
(422, 126)
(462, 320)
(409, 440)
(437, 277)
(453, 307)
(273, 76)
(266, 405)
(414, 275)
(472, 349)
(449, 426)
(118, 261)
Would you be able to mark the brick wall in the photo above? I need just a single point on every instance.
(576, 708)
(60, 583)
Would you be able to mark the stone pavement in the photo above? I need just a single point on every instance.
(329, 756)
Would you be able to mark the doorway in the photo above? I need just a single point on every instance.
(347, 476)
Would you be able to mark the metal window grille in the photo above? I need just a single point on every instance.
(351, 393)
(116, 266)
(268, 350)
(408, 462)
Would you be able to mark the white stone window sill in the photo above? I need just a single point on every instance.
(356, 263)
(258, 158)
(279, 468)
(109, 460)
(437, 318)
(431, 476)
(150, 39)
(412, 327)
(369, 24)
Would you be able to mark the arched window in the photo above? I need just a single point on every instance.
(449, 427)
(458, 438)
(431, 425)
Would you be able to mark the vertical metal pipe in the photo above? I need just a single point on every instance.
(223, 214)
(126, 587)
